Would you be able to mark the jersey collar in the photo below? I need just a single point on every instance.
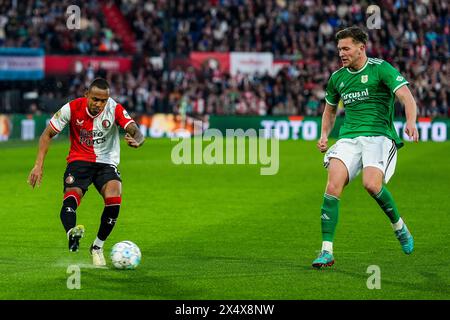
(358, 71)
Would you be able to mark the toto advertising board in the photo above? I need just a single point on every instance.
(28, 127)
(308, 128)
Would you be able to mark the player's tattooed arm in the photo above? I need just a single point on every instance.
(134, 136)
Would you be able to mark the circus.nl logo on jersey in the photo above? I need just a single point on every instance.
(355, 96)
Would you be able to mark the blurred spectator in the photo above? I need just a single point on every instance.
(34, 109)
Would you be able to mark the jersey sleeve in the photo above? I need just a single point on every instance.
(123, 119)
(331, 94)
(61, 118)
(391, 77)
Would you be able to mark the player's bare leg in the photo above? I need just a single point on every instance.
(72, 199)
(111, 192)
(372, 180)
(337, 179)
(373, 183)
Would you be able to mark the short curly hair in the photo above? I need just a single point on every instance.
(99, 83)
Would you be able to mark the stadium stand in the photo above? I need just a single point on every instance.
(414, 37)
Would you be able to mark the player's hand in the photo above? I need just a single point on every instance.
(35, 176)
(322, 144)
(131, 141)
(411, 131)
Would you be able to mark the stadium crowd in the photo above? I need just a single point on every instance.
(43, 24)
(414, 37)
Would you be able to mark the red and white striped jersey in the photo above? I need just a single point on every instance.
(92, 138)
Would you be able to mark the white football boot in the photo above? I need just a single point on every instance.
(98, 259)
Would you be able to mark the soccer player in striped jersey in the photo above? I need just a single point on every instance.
(94, 155)
(368, 141)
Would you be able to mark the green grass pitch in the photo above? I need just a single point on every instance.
(224, 231)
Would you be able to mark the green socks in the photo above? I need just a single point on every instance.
(330, 212)
(329, 216)
(387, 203)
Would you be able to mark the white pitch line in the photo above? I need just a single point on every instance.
(80, 265)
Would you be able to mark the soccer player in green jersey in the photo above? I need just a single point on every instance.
(368, 141)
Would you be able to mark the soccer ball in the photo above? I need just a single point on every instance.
(125, 255)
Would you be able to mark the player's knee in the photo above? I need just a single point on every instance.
(112, 189)
(372, 187)
(334, 189)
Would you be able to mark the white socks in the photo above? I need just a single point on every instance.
(98, 243)
(327, 246)
(398, 225)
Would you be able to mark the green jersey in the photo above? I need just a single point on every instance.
(368, 95)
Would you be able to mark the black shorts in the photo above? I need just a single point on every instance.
(82, 173)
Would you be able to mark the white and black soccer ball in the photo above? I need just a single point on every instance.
(125, 255)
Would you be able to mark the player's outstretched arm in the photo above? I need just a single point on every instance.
(35, 176)
(328, 119)
(406, 98)
(134, 136)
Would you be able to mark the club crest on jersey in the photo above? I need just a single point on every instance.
(126, 115)
(70, 179)
(80, 122)
(106, 123)
(364, 78)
